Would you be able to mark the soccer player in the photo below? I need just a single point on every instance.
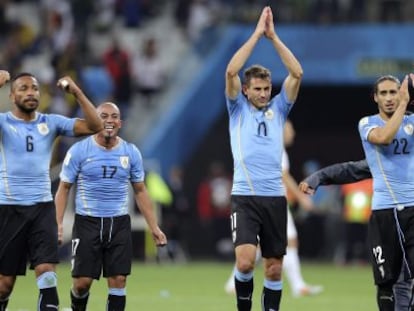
(349, 172)
(388, 143)
(103, 166)
(291, 261)
(259, 206)
(28, 229)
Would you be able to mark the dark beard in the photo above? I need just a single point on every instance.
(107, 140)
(24, 109)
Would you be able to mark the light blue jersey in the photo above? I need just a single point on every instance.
(26, 149)
(392, 166)
(257, 145)
(102, 176)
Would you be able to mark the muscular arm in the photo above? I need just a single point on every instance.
(91, 123)
(336, 174)
(294, 78)
(145, 205)
(385, 134)
(61, 200)
(233, 83)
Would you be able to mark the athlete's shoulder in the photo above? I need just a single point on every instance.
(371, 119)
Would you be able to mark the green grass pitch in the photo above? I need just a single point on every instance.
(200, 286)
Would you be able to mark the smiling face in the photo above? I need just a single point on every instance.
(111, 117)
(25, 95)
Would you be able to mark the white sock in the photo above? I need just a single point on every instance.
(291, 268)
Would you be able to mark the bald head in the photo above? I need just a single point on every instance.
(108, 105)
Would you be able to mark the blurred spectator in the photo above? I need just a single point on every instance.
(104, 12)
(356, 212)
(97, 82)
(176, 217)
(391, 11)
(203, 18)
(59, 27)
(82, 11)
(117, 62)
(214, 208)
(149, 72)
(325, 223)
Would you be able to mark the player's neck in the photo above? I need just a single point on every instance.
(22, 115)
(106, 142)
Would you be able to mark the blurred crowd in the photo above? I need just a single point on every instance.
(55, 40)
(61, 32)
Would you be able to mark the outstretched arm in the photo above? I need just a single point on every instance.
(304, 201)
(294, 78)
(336, 174)
(92, 123)
(233, 83)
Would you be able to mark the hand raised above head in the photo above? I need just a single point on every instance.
(4, 77)
(261, 23)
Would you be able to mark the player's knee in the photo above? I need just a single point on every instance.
(245, 265)
(273, 269)
(81, 286)
(118, 281)
(6, 286)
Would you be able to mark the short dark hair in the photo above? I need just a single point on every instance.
(385, 78)
(256, 71)
(22, 74)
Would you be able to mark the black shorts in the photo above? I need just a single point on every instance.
(101, 244)
(391, 239)
(259, 219)
(27, 233)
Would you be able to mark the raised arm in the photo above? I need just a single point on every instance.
(91, 123)
(336, 174)
(61, 200)
(233, 83)
(294, 78)
(144, 204)
(385, 134)
(4, 77)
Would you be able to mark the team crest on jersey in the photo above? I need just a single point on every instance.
(42, 128)
(409, 129)
(269, 114)
(124, 161)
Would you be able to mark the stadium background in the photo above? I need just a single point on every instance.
(341, 56)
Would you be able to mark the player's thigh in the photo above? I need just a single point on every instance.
(386, 248)
(87, 247)
(42, 238)
(245, 220)
(14, 224)
(273, 235)
(117, 258)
